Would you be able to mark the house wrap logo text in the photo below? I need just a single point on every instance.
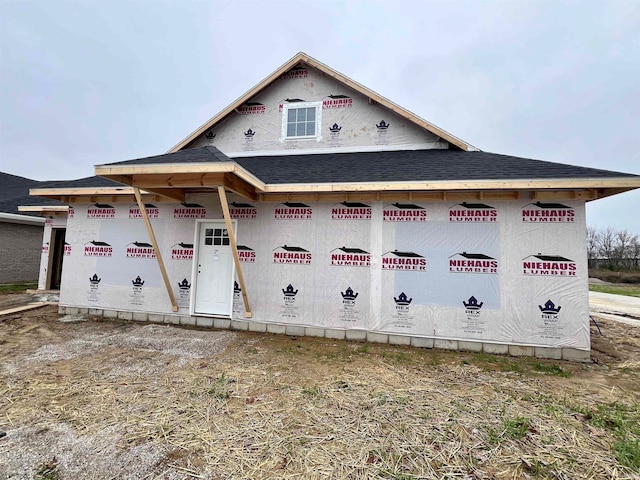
(182, 251)
(140, 250)
(540, 212)
(548, 265)
(337, 101)
(292, 255)
(96, 248)
(350, 257)
(250, 108)
(101, 210)
(246, 254)
(295, 72)
(189, 210)
(242, 210)
(152, 211)
(396, 260)
(472, 212)
(404, 212)
(472, 263)
(350, 211)
(293, 211)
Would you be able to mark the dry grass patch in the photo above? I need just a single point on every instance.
(262, 406)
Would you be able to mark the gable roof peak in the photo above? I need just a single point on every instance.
(455, 142)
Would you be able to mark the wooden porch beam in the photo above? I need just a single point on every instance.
(172, 193)
(234, 249)
(156, 248)
(239, 186)
(177, 180)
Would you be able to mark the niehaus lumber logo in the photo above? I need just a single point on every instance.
(189, 210)
(404, 212)
(96, 248)
(295, 72)
(293, 211)
(350, 257)
(242, 210)
(67, 249)
(350, 211)
(292, 255)
(246, 254)
(548, 265)
(472, 263)
(540, 212)
(101, 210)
(396, 260)
(182, 251)
(337, 101)
(472, 212)
(152, 211)
(251, 108)
(140, 250)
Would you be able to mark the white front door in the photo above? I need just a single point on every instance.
(214, 270)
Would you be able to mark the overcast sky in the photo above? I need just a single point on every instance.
(91, 82)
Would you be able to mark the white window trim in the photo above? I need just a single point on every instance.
(285, 115)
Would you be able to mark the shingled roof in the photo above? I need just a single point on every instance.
(14, 191)
(410, 166)
(386, 166)
(87, 182)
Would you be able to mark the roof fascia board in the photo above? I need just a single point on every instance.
(43, 208)
(302, 57)
(80, 192)
(522, 184)
(22, 219)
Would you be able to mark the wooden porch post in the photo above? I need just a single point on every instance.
(234, 248)
(154, 242)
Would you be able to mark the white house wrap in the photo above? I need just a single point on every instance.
(352, 218)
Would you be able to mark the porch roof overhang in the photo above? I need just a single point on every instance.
(72, 194)
(174, 180)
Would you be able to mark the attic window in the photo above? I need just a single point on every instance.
(301, 120)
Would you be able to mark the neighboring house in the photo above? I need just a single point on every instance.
(313, 206)
(20, 234)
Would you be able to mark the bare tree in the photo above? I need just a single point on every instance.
(635, 252)
(611, 248)
(593, 243)
(607, 246)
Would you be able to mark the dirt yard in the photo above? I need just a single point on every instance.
(94, 399)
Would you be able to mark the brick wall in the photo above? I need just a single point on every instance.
(20, 248)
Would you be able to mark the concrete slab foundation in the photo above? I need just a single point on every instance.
(568, 354)
(356, 335)
(399, 340)
(469, 346)
(374, 337)
(445, 344)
